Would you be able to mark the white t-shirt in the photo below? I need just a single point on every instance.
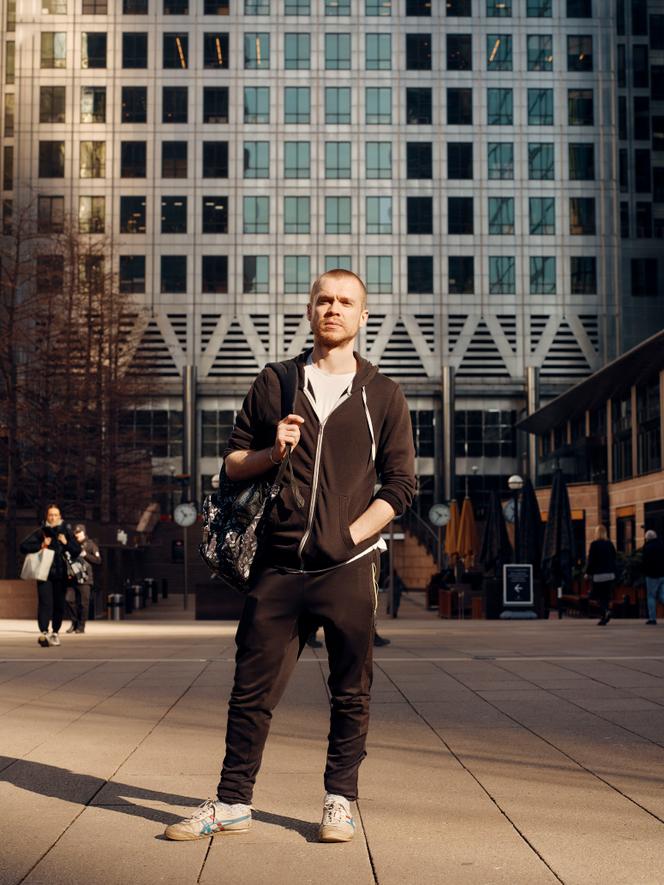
(326, 390)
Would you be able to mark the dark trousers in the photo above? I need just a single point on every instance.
(603, 593)
(51, 604)
(279, 614)
(78, 603)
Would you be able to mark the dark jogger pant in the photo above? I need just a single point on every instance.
(78, 604)
(280, 612)
(51, 604)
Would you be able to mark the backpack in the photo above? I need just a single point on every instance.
(235, 515)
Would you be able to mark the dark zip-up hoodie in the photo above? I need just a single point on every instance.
(332, 464)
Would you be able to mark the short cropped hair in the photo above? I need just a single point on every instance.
(337, 273)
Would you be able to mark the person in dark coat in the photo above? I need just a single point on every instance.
(58, 537)
(653, 569)
(78, 594)
(601, 568)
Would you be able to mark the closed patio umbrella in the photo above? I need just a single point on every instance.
(452, 534)
(496, 549)
(558, 549)
(529, 543)
(467, 543)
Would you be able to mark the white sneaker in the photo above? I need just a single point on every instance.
(337, 824)
(210, 818)
(54, 639)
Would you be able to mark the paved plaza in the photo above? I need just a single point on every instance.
(499, 752)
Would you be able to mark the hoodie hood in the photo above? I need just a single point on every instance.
(364, 374)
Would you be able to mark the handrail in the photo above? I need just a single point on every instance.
(424, 534)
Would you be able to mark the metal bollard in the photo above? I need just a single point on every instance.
(114, 606)
(126, 584)
(164, 588)
(152, 590)
(137, 593)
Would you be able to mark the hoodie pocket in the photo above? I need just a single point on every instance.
(344, 522)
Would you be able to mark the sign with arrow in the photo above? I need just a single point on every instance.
(518, 584)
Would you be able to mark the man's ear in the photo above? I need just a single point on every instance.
(309, 311)
(364, 316)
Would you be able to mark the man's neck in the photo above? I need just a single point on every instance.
(334, 360)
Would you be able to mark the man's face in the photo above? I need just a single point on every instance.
(53, 517)
(336, 313)
(80, 536)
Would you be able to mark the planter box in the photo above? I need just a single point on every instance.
(18, 599)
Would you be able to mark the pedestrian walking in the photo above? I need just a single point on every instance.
(350, 429)
(78, 593)
(653, 569)
(58, 537)
(601, 569)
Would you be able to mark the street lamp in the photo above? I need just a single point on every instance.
(515, 483)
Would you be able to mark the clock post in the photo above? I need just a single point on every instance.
(185, 515)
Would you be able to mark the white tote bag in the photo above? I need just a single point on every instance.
(37, 565)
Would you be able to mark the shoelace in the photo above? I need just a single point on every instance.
(207, 809)
(335, 813)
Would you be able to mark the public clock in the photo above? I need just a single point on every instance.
(508, 510)
(185, 514)
(439, 514)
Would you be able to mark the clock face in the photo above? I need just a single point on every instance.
(508, 510)
(185, 514)
(439, 514)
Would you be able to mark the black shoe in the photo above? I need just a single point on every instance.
(379, 641)
(78, 630)
(651, 621)
(602, 622)
(72, 629)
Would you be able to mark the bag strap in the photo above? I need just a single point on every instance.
(288, 377)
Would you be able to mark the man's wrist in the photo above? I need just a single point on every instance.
(272, 461)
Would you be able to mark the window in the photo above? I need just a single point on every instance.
(174, 215)
(502, 275)
(256, 7)
(459, 52)
(337, 52)
(583, 275)
(420, 274)
(418, 106)
(133, 161)
(579, 53)
(50, 273)
(297, 104)
(297, 159)
(649, 446)
(132, 273)
(418, 52)
(176, 51)
(93, 159)
(215, 215)
(490, 433)
(458, 8)
(378, 103)
(542, 275)
(378, 7)
(379, 215)
(623, 176)
(540, 161)
(215, 51)
(500, 160)
(215, 273)
(134, 50)
(257, 51)
(50, 215)
(499, 8)
(539, 8)
(174, 273)
(644, 276)
(642, 171)
(337, 104)
(419, 160)
(52, 104)
(256, 215)
(580, 107)
(460, 159)
(255, 277)
(341, 261)
(337, 159)
(640, 66)
(134, 104)
(540, 107)
(54, 7)
(297, 7)
(10, 106)
(418, 7)
(499, 52)
(657, 32)
(643, 220)
(378, 52)
(256, 159)
(501, 215)
(174, 159)
(378, 159)
(215, 104)
(215, 159)
(624, 221)
(10, 62)
(419, 215)
(175, 104)
(256, 104)
(93, 50)
(338, 217)
(132, 215)
(460, 215)
(621, 421)
(499, 107)
(92, 215)
(337, 7)
(157, 431)
(641, 117)
(94, 7)
(53, 52)
(297, 52)
(582, 216)
(579, 8)
(8, 166)
(540, 52)
(135, 7)
(581, 162)
(542, 214)
(461, 274)
(379, 274)
(297, 276)
(176, 7)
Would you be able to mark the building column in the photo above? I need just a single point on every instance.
(532, 405)
(449, 467)
(189, 426)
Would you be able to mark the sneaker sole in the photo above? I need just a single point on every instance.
(177, 836)
(330, 835)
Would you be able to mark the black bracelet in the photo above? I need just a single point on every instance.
(269, 454)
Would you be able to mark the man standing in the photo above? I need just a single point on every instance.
(320, 565)
(78, 595)
(653, 569)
